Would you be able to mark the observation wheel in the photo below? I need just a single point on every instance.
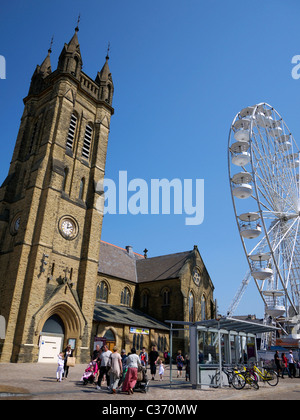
(263, 163)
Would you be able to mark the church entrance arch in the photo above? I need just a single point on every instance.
(51, 339)
(58, 325)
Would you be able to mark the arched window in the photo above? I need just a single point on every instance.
(145, 299)
(110, 336)
(87, 141)
(71, 132)
(110, 339)
(109, 94)
(191, 308)
(32, 138)
(81, 189)
(125, 297)
(166, 296)
(66, 172)
(102, 292)
(203, 308)
(76, 65)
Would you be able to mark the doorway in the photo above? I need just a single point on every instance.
(51, 340)
(110, 339)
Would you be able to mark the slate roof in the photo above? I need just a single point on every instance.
(117, 262)
(162, 267)
(104, 312)
(124, 264)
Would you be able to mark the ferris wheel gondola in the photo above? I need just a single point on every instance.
(263, 163)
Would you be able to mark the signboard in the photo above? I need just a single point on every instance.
(135, 330)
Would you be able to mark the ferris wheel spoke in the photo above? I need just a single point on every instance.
(283, 195)
(269, 166)
(262, 168)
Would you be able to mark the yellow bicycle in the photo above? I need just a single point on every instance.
(266, 375)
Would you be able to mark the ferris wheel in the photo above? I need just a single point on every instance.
(263, 163)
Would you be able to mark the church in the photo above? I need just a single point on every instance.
(59, 283)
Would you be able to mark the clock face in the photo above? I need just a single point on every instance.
(196, 277)
(68, 228)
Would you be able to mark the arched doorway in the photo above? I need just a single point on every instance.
(110, 339)
(51, 339)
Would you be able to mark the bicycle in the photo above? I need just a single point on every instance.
(250, 378)
(268, 375)
(235, 377)
(216, 381)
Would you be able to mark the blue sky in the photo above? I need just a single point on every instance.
(181, 71)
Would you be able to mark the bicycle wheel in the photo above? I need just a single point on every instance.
(271, 377)
(215, 380)
(238, 381)
(251, 380)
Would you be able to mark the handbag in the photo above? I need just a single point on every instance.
(71, 361)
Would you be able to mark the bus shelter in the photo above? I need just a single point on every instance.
(215, 343)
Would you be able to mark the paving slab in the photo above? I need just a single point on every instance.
(37, 381)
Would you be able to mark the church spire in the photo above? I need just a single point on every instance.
(70, 60)
(104, 80)
(41, 72)
(45, 67)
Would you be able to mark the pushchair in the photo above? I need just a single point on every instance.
(89, 375)
(142, 383)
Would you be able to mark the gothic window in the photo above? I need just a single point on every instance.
(109, 94)
(191, 307)
(32, 138)
(166, 296)
(125, 297)
(76, 66)
(81, 189)
(66, 172)
(102, 292)
(144, 300)
(137, 341)
(203, 308)
(71, 132)
(87, 142)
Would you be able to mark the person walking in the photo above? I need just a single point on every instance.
(68, 352)
(60, 367)
(104, 368)
(95, 357)
(179, 361)
(116, 370)
(277, 362)
(153, 358)
(132, 362)
(285, 365)
(144, 357)
(291, 362)
(161, 369)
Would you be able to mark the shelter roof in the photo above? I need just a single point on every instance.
(230, 324)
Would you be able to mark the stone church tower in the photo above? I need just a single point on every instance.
(51, 207)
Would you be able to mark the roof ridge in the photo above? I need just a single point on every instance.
(119, 247)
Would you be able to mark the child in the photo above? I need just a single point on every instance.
(161, 370)
(60, 367)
